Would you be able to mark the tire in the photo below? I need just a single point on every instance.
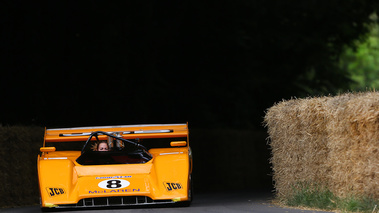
(190, 195)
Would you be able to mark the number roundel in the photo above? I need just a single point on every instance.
(114, 184)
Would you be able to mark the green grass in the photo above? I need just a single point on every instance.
(353, 204)
(322, 198)
(313, 197)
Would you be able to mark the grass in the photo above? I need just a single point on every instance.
(313, 197)
(322, 198)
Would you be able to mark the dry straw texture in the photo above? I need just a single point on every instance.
(330, 142)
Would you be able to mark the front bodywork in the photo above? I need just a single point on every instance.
(165, 177)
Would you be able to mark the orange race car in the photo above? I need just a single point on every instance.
(115, 166)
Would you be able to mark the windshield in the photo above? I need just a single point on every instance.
(114, 157)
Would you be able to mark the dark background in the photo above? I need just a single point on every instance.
(216, 64)
(211, 63)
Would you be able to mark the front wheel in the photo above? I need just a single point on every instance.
(188, 202)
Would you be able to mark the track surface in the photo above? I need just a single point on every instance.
(205, 202)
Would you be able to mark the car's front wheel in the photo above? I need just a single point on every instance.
(188, 202)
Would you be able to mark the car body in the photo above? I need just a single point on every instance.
(148, 164)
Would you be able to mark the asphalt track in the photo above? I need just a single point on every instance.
(221, 202)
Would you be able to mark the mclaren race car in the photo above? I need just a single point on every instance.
(115, 166)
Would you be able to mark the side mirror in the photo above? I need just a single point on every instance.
(47, 149)
(178, 143)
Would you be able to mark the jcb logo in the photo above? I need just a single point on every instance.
(55, 191)
(172, 186)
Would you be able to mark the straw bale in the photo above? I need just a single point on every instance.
(354, 143)
(330, 142)
(298, 143)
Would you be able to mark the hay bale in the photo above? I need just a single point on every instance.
(298, 143)
(330, 142)
(354, 144)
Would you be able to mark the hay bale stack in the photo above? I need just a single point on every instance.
(330, 142)
(299, 143)
(353, 131)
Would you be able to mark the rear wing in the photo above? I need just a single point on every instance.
(127, 132)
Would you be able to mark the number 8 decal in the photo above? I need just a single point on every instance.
(114, 184)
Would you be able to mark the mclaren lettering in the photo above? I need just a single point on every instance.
(112, 191)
